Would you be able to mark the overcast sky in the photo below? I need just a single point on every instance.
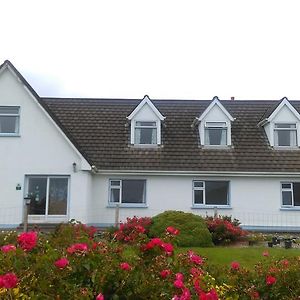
(167, 49)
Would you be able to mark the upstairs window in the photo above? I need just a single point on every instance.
(215, 133)
(210, 193)
(285, 135)
(290, 194)
(9, 120)
(145, 133)
(127, 191)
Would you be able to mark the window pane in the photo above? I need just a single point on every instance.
(115, 195)
(285, 138)
(9, 110)
(133, 191)
(216, 192)
(37, 188)
(286, 198)
(8, 124)
(198, 196)
(152, 124)
(198, 184)
(215, 124)
(145, 136)
(115, 182)
(286, 185)
(215, 136)
(58, 196)
(285, 125)
(296, 192)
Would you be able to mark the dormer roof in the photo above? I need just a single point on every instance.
(275, 109)
(215, 101)
(146, 101)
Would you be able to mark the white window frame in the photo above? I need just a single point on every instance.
(120, 186)
(291, 189)
(48, 177)
(275, 129)
(148, 126)
(17, 125)
(197, 205)
(206, 128)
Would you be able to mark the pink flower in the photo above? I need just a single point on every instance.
(266, 253)
(172, 230)
(211, 295)
(165, 273)
(178, 284)
(140, 228)
(8, 280)
(125, 266)
(235, 265)
(100, 297)
(179, 276)
(270, 280)
(80, 248)
(167, 247)
(27, 240)
(61, 263)
(196, 272)
(8, 248)
(285, 263)
(196, 259)
(156, 241)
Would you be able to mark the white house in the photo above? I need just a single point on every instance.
(79, 158)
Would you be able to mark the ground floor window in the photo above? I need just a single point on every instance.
(49, 195)
(290, 194)
(127, 191)
(210, 192)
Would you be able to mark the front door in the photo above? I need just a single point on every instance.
(49, 198)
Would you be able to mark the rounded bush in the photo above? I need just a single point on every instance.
(193, 230)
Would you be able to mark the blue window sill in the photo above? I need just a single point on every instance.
(294, 208)
(211, 207)
(112, 205)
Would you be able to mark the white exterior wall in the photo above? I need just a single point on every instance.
(39, 150)
(254, 201)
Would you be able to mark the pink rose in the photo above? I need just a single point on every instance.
(196, 259)
(172, 230)
(125, 266)
(8, 280)
(27, 240)
(266, 253)
(178, 284)
(270, 280)
(8, 248)
(179, 276)
(80, 248)
(165, 273)
(61, 263)
(235, 265)
(167, 247)
(100, 297)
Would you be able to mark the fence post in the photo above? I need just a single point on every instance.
(117, 215)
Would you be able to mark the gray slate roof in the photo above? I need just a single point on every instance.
(101, 132)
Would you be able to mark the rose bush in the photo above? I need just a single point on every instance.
(72, 263)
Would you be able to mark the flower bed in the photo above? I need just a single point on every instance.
(76, 263)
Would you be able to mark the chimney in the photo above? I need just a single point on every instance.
(232, 98)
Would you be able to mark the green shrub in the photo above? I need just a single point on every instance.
(193, 230)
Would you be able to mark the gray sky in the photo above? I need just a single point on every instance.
(169, 49)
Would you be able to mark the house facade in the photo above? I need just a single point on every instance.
(82, 158)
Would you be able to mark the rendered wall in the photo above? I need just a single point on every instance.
(39, 150)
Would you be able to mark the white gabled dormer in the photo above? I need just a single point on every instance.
(215, 125)
(282, 126)
(145, 124)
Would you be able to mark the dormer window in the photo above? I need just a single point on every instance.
(285, 135)
(145, 133)
(9, 120)
(145, 124)
(215, 133)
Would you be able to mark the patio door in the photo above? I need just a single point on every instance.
(49, 198)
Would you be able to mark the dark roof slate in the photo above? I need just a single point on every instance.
(100, 129)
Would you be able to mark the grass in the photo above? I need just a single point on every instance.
(247, 257)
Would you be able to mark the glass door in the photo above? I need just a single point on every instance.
(49, 198)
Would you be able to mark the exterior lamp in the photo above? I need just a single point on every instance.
(27, 200)
(74, 167)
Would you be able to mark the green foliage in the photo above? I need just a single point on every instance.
(193, 230)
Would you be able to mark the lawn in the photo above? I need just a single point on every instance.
(247, 257)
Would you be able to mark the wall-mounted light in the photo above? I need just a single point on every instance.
(74, 167)
(18, 187)
(27, 200)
